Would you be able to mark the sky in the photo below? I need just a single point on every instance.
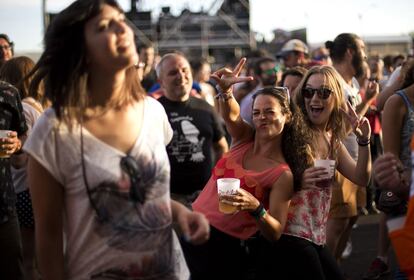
(324, 19)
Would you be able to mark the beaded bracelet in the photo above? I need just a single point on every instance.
(259, 212)
(363, 142)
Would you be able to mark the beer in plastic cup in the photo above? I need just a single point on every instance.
(227, 186)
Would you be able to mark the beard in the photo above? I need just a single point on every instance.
(358, 64)
(270, 81)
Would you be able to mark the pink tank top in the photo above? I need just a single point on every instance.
(241, 224)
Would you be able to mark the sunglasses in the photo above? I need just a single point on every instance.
(5, 47)
(272, 70)
(323, 93)
(137, 193)
(137, 190)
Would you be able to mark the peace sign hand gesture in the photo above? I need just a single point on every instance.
(226, 78)
(360, 125)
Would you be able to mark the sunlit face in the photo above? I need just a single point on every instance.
(268, 118)
(317, 108)
(5, 51)
(291, 59)
(176, 78)
(359, 57)
(205, 72)
(291, 82)
(110, 41)
(147, 56)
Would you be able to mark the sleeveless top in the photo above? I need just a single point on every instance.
(309, 210)
(401, 231)
(240, 225)
(407, 130)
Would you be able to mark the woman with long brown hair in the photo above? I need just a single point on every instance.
(98, 167)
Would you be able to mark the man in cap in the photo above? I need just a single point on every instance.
(294, 53)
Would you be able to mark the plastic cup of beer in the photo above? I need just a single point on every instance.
(329, 166)
(227, 186)
(4, 134)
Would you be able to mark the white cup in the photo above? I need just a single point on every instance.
(4, 133)
(227, 186)
(329, 165)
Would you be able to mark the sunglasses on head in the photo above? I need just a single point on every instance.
(283, 90)
(323, 93)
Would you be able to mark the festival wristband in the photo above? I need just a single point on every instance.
(259, 212)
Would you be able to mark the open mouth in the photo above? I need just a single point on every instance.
(316, 110)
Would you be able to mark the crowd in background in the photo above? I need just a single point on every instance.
(112, 151)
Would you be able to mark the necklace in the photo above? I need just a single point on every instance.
(323, 150)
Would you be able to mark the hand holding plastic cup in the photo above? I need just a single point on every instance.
(227, 186)
(4, 134)
(329, 166)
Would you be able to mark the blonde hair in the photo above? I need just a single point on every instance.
(336, 122)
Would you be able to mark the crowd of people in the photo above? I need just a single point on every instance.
(110, 155)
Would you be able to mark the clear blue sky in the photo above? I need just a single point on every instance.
(324, 19)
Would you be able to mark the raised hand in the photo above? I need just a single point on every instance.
(226, 78)
(360, 125)
(372, 90)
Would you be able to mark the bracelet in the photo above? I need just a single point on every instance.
(363, 142)
(225, 96)
(259, 212)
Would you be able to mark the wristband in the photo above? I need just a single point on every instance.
(259, 212)
(363, 142)
(223, 95)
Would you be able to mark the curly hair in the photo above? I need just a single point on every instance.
(296, 137)
(336, 122)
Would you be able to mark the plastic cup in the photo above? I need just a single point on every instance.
(227, 186)
(329, 166)
(4, 134)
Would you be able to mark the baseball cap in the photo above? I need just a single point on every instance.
(293, 45)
